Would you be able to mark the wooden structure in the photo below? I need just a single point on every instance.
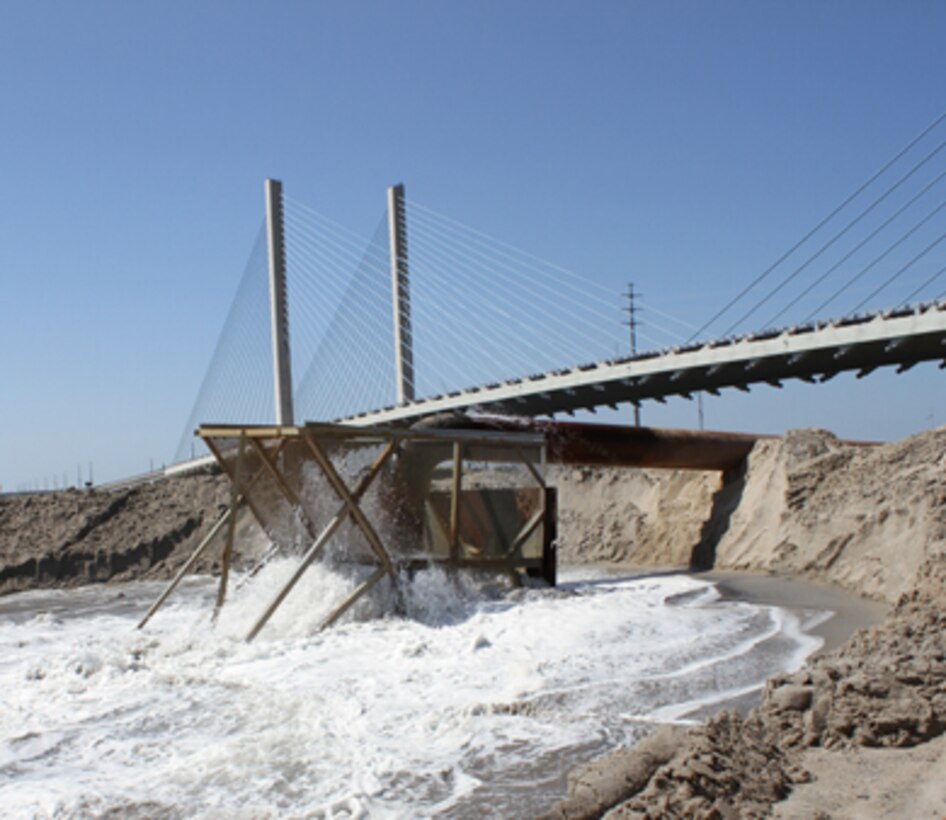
(388, 499)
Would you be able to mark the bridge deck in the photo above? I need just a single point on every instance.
(812, 353)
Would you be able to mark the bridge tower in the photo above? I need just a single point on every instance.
(278, 304)
(401, 295)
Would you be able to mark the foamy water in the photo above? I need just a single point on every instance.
(474, 703)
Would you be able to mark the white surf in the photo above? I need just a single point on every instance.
(473, 701)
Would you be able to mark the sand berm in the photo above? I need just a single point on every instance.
(859, 731)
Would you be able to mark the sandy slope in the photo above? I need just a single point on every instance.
(77, 536)
(863, 518)
(859, 731)
(871, 783)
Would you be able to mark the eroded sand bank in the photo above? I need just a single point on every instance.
(871, 521)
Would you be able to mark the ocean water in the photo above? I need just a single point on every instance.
(467, 700)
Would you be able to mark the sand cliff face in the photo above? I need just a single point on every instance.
(863, 518)
(646, 517)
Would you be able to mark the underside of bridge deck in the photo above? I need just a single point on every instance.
(578, 443)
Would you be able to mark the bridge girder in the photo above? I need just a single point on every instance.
(807, 353)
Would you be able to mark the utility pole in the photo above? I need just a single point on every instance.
(632, 310)
(278, 303)
(401, 295)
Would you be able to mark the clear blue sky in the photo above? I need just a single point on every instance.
(683, 145)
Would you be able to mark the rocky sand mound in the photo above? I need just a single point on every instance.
(885, 689)
(78, 536)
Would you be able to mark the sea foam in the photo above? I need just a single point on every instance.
(449, 696)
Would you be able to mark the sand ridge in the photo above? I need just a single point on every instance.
(74, 536)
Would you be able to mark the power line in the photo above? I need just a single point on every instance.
(632, 310)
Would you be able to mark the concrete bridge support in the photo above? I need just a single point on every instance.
(278, 304)
(401, 295)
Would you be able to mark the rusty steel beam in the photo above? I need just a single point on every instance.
(611, 445)
(606, 445)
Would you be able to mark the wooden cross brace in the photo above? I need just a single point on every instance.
(348, 507)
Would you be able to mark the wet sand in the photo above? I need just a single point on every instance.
(851, 612)
(801, 598)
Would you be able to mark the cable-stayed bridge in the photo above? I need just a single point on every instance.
(431, 315)
(812, 353)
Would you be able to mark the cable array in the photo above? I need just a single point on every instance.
(341, 287)
(480, 311)
(888, 238)
(238, 385)
(504, 313)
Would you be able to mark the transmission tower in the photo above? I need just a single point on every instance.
(632, 310)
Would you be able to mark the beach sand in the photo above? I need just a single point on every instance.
(851, 612)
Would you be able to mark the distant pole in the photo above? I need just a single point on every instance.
(699, 407)
(632, 311)
(278, 304)
(401, 295)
